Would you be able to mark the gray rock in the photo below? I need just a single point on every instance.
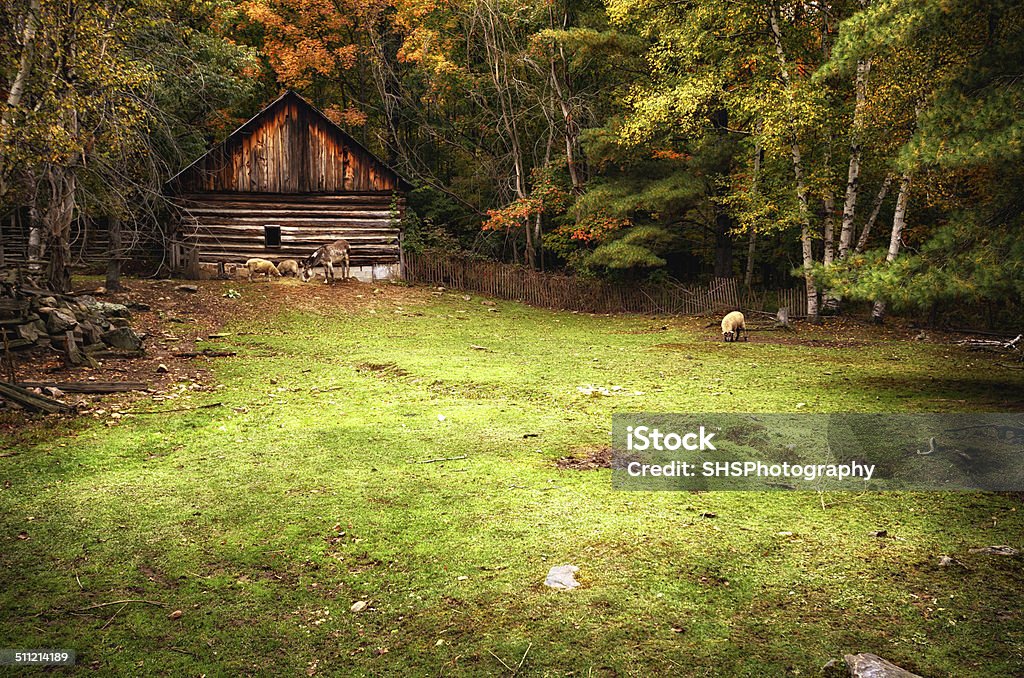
(562, 577)
(867, 665)
(110, 310)
(124, 338)
(104, 308)
(32, 331)
(60, 321)
(90, 333)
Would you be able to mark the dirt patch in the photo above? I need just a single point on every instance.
(785, 340)
(674, 347)
(587, 459)
(176, 321)
(383, 369)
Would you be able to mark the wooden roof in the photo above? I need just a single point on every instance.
(288, 147)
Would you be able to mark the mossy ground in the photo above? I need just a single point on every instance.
(265, 518)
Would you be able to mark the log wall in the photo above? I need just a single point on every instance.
(229, 227)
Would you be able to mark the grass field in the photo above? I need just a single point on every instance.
(265, 518)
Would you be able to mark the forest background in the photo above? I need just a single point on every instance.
(871, 148)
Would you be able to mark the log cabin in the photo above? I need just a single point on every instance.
(282, 184)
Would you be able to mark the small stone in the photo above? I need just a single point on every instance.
(161, 368)
(191, 289)
(945, 561)
(359, 606)
(562, 577)
(867, 665)
(176, 614)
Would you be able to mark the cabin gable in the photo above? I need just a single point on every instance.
(288, 147)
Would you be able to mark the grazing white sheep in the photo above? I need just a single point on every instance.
(288, 267)
(732, 326)
(261, 266)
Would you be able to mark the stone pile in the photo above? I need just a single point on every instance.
(82, 328)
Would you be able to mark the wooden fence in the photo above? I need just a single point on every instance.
(570, 293)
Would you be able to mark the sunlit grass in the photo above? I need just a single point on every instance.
(265, 518)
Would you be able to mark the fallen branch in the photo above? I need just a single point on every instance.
(512, 670)
(175, 409)
(112, 616)
(121, 602)
(431, 461)
(205, 353)
(521, 661)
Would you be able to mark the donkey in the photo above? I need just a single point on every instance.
(327, 256)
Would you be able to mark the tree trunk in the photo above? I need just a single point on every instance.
(28, 48)
(876, 207)
(114, 254)
(829, 301)
(17, 88)
(755, 188)
(807, 250)
(853, 173)
(899, 220)
(57, 220)
(828, 228)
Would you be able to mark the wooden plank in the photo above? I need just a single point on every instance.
(89, 386)
(31, 400)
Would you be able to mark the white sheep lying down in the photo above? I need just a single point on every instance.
(261, 266)
(288, 267)
(732, 326)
